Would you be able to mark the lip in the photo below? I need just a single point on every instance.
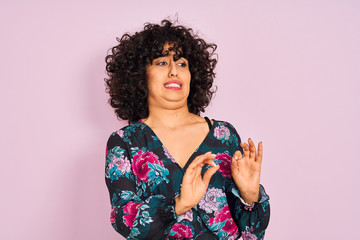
(173, 87)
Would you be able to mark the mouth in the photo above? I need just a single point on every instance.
(173, 85)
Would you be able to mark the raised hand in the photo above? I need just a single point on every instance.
(194, 186)
(246, 170)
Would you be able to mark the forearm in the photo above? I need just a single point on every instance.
(149, 219)
(253, 218)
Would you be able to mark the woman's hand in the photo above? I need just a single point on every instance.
(246, 170)
(194, 186)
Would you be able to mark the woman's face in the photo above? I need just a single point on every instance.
(168, 81)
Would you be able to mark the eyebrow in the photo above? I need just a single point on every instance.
(178, 54)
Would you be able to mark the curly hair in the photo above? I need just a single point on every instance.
(126, 68)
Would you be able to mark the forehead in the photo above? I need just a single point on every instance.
(165, 50)
(171, 48)
(167, 45)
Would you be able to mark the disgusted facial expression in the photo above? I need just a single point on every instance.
(168, 80)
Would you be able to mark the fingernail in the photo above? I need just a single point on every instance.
(208, 152)
(236, 157)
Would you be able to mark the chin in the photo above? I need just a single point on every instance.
(175, 103)
(176, 98)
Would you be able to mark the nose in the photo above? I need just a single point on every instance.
(173, 69)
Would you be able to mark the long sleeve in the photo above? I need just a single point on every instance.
(252, 220)
(135, 214)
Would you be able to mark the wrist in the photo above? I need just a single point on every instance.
(250, 197)
(180, 208)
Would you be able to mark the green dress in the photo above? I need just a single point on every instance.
(143, 180)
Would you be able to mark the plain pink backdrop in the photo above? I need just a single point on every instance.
(288, 74)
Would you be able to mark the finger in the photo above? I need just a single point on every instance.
(210, 162)
(208, 174)
(259, 155)
(252, 149)
(236, 159)
(237, 156)
(199, 159)
(198, 172)
(199, 166)
(194, 166)
(245, 146)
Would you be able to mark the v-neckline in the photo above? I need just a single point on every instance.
(191, 158)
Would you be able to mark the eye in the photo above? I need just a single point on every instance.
(161, 63)
(182, 64)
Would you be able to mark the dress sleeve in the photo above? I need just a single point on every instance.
(252, 220)
(134, 215)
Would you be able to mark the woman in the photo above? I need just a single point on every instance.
(172, 174)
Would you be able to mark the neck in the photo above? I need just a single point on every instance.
(169, 118)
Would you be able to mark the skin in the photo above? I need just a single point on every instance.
(172, 122)
(162, 70)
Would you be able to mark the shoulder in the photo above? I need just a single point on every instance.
(225, 130)
(126, 135)
(223, 124)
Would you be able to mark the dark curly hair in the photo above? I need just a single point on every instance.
(126, 68)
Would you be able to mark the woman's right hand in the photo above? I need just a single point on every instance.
(194, 186)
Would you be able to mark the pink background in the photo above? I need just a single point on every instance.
(288, 75)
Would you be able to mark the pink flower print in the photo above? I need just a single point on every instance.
(167, 154)
(233, 237)
(230, 226)
(225, 216)
(182, 231)
(209, 202)
(186, 216)
(113, 215)
(131, 210)
(224, 164)
(249, 208)
(140, 164)
(112, 164)
(222, 133)
(123, 164)
(248, 236)
(120, 132)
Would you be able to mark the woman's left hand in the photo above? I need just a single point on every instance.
(246, 170)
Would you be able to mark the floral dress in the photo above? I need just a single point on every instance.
(143, 180)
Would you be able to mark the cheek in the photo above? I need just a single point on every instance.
(154, 86)
(151, 87)
(186, 76)
(188, 79)
(151, 80)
